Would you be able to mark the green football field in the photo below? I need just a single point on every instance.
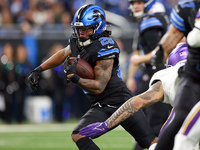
(56, 137)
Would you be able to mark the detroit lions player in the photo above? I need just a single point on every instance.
(162, 87)
(107, 92)
(185, 21)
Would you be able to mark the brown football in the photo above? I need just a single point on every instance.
(83, 68)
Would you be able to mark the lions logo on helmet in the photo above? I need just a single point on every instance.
(87, 17)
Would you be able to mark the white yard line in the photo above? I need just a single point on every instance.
(40, 127)
(37, 127)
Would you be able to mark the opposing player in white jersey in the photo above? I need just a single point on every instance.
(162, 87)
(189, 134)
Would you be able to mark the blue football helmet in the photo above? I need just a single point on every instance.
(89, 16)
(178, 55)
(147, 6)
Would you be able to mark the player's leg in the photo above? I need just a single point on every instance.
(192, 67)
(186, 97)
(189, 134)
(139, 128)
(167, 122)
(92, 116)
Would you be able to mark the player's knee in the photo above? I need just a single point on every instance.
(76, 137)
(193, 38)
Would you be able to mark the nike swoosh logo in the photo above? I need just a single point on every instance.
(110, 47)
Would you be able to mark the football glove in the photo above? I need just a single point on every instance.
(94, 129)
(157, 58)
(33, 78)
(71, 69)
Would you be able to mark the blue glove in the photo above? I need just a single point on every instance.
(94, 129)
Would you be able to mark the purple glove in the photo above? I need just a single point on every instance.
(94, 129)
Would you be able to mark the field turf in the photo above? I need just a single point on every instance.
(56, 137)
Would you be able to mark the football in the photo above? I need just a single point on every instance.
(83, 68)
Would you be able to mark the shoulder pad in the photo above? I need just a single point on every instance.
(179, 14)
(177, 21)
(109, 48)
(150, 22)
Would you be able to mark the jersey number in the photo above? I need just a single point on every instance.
(106, 40)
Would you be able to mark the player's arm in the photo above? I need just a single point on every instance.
(150, 39)
(171, 39)
(102, 71)
(152, 95)
(166, 44)
(138, 59)
(57, 59)
(131, 83)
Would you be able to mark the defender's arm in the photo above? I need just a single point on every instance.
(152, 95)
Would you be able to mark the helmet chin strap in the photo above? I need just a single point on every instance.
(85, 43)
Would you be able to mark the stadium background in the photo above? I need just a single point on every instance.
(40, 26)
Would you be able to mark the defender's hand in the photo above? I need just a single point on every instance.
(94, 129)
(33, 78)
(158, 58)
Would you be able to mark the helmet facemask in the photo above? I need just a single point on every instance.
(77, 32)
(89, 17)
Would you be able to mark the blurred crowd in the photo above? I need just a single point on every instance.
(18, 60)
(14, 68)
(47, 12)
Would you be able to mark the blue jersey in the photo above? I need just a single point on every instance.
(179, 16)
(103, 48)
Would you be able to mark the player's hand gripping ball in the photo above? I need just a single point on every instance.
(83, 68)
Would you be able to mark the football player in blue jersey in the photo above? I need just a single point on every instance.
(185, 21)
(153, 24)
(106, 92)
